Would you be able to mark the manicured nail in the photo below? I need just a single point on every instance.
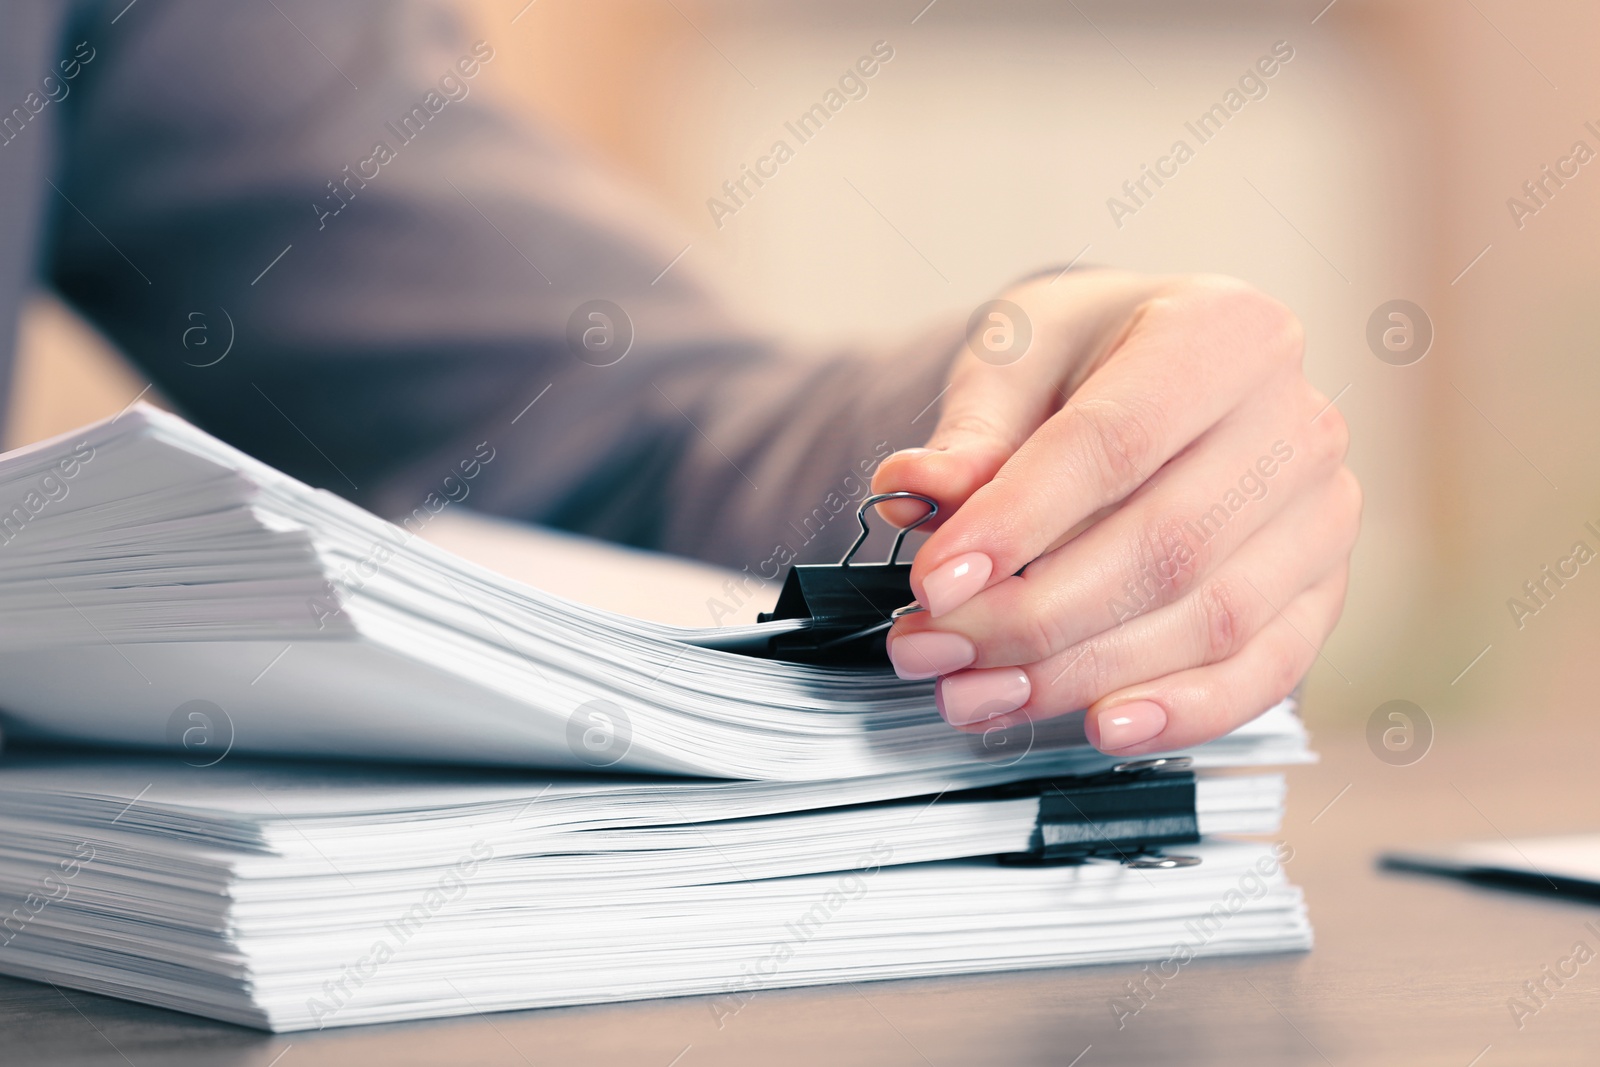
(930, 653)
(952, 584)
(1126, 725)
(975, 696)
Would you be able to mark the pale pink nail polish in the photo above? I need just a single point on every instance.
(975, 696)
(1126, 725)
(954, 582)
(930, 653)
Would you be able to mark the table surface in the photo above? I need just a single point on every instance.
(1407, 969)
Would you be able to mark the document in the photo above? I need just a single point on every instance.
(301, 767)
(291, 896)
(161, 589)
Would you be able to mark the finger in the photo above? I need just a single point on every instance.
(1187, 362)
(1216, 620)
(1213, 622)
(987, 413)
(1194, 706)
(1008, 378)
(1169, 536)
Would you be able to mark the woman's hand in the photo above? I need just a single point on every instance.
(1172, 492)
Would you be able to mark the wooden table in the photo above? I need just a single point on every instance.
(1407, 970)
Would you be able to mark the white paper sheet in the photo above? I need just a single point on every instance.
(176, 569)
(349, 914)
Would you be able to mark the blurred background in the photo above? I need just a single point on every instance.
(1377, 167)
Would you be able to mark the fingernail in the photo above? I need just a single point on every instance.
(930, 653)
(974, 696)
(952, 584)
(1129, 724)
(912, 453)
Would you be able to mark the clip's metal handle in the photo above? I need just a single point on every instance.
(894, 616)
(1157, 763)
(1160, 861)
(874, 501)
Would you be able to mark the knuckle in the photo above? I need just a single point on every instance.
(1167, 563)
(1038, 636)
(1287, 332)
(1121, 439)
(1282, 336)
(967, 423)
(1285, 667)
(1268, 326)
(1225, 619)
(1330, 438)
(1084, 676)
(990, 513)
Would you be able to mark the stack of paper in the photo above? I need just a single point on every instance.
(290, 896)
(145, 565)
(160, 590)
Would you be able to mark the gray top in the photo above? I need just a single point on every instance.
(400, 263)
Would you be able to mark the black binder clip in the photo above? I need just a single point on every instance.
(1126, 815)
(847, 603)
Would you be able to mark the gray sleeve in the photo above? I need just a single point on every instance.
(406, 272)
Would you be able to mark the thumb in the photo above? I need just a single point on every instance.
(986, 413)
